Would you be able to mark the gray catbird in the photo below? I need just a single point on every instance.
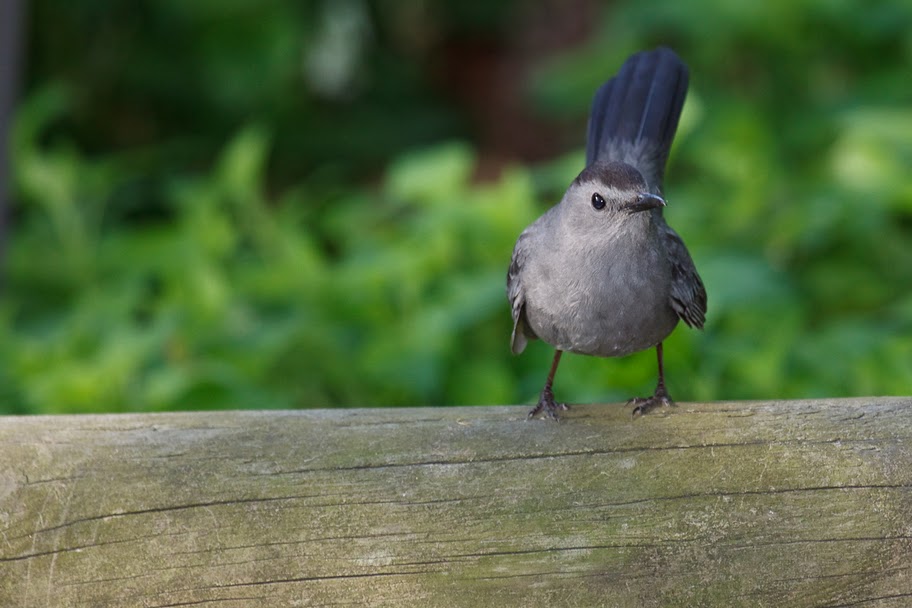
(601, 273)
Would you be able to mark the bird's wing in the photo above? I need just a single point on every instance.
(517, 296)
(688, 296)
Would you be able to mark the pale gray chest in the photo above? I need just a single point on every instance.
(608, 297)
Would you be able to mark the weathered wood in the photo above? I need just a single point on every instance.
(727, 504)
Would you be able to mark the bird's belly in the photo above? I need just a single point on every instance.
(588, 317)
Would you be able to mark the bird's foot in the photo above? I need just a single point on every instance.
(643, 405)
(547, 404)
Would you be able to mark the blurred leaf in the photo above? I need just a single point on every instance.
(431, 176)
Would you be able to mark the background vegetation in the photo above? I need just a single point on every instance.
(272, 204)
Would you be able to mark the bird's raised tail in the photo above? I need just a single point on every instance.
(635, 114)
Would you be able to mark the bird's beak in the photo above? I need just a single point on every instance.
(644, 201)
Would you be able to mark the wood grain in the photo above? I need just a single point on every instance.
(788, 503)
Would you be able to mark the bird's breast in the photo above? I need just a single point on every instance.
(608, 302)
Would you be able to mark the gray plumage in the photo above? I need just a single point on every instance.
(614, 280)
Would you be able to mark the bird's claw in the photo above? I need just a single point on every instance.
(642, 405)
(547, 404)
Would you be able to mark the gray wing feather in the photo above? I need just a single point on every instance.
(688, 295)
(516, 295)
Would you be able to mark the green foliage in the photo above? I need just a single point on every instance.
(169, 275)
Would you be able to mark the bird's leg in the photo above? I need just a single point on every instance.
(660, 397)
(546, 401)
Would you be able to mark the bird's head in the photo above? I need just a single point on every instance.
(608, 195)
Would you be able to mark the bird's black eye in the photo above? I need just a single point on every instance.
(597, 201)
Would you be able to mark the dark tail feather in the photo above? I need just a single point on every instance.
(635, 114)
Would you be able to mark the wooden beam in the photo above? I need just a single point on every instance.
(781, 503)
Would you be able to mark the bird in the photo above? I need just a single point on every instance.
(601, 273)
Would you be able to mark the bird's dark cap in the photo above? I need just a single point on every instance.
(618, 175)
